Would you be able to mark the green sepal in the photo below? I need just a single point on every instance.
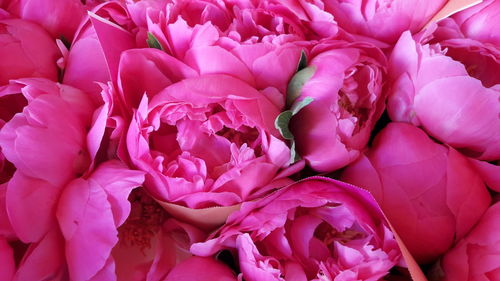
(281, 123)
(302, 61)
(294, 156)
(296, 107)
(296, 83)
(153, 42)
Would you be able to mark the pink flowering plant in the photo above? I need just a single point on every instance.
(249, 140)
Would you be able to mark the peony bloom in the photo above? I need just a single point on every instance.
(65, 15)
(384, 20)
(207, 141)
(54, 140)
(88, 212)
(65, 200)
(345, 82)
(242, 21)
(26, 51)
(316, 229)
(453, 95)
(476, 256)
(430, 193)
(205, 126)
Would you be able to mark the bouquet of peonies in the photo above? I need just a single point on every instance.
(249, 140)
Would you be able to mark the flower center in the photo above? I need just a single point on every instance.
(145, 220)
(326, 233)
(356, 97)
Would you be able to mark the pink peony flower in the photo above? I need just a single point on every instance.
(345, 82)
(243, 21)
(432, 88)
(430, 193)
(384, 20)
(65, 211)
(88, 213)
(476, 256)
(49, 144)
(316, 229)
(207, 141)
(26, 51)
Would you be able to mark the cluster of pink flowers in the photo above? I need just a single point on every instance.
(328, 140)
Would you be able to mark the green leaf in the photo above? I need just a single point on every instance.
(297, 106)
(153, 42)
(281, 123)
(296, 83)
(294, 156)
(302, 61)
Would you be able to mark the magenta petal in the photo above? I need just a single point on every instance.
(465, 180)
(149, 71)
(113, 40)
(190, 269)
(64, 19)
(117, 180)
(26, 50)
(6, 260)
(489, 172)
(476, 256)
(5, 225)
(86, 64)
(31, 205)
(44, 260)
(216, 60)
(430, 193)
(107, 272)
(86, 221)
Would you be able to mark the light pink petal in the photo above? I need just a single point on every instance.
(148, 71)
(370, 17)
(253, 265)
(216, 60)
(470, 111)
